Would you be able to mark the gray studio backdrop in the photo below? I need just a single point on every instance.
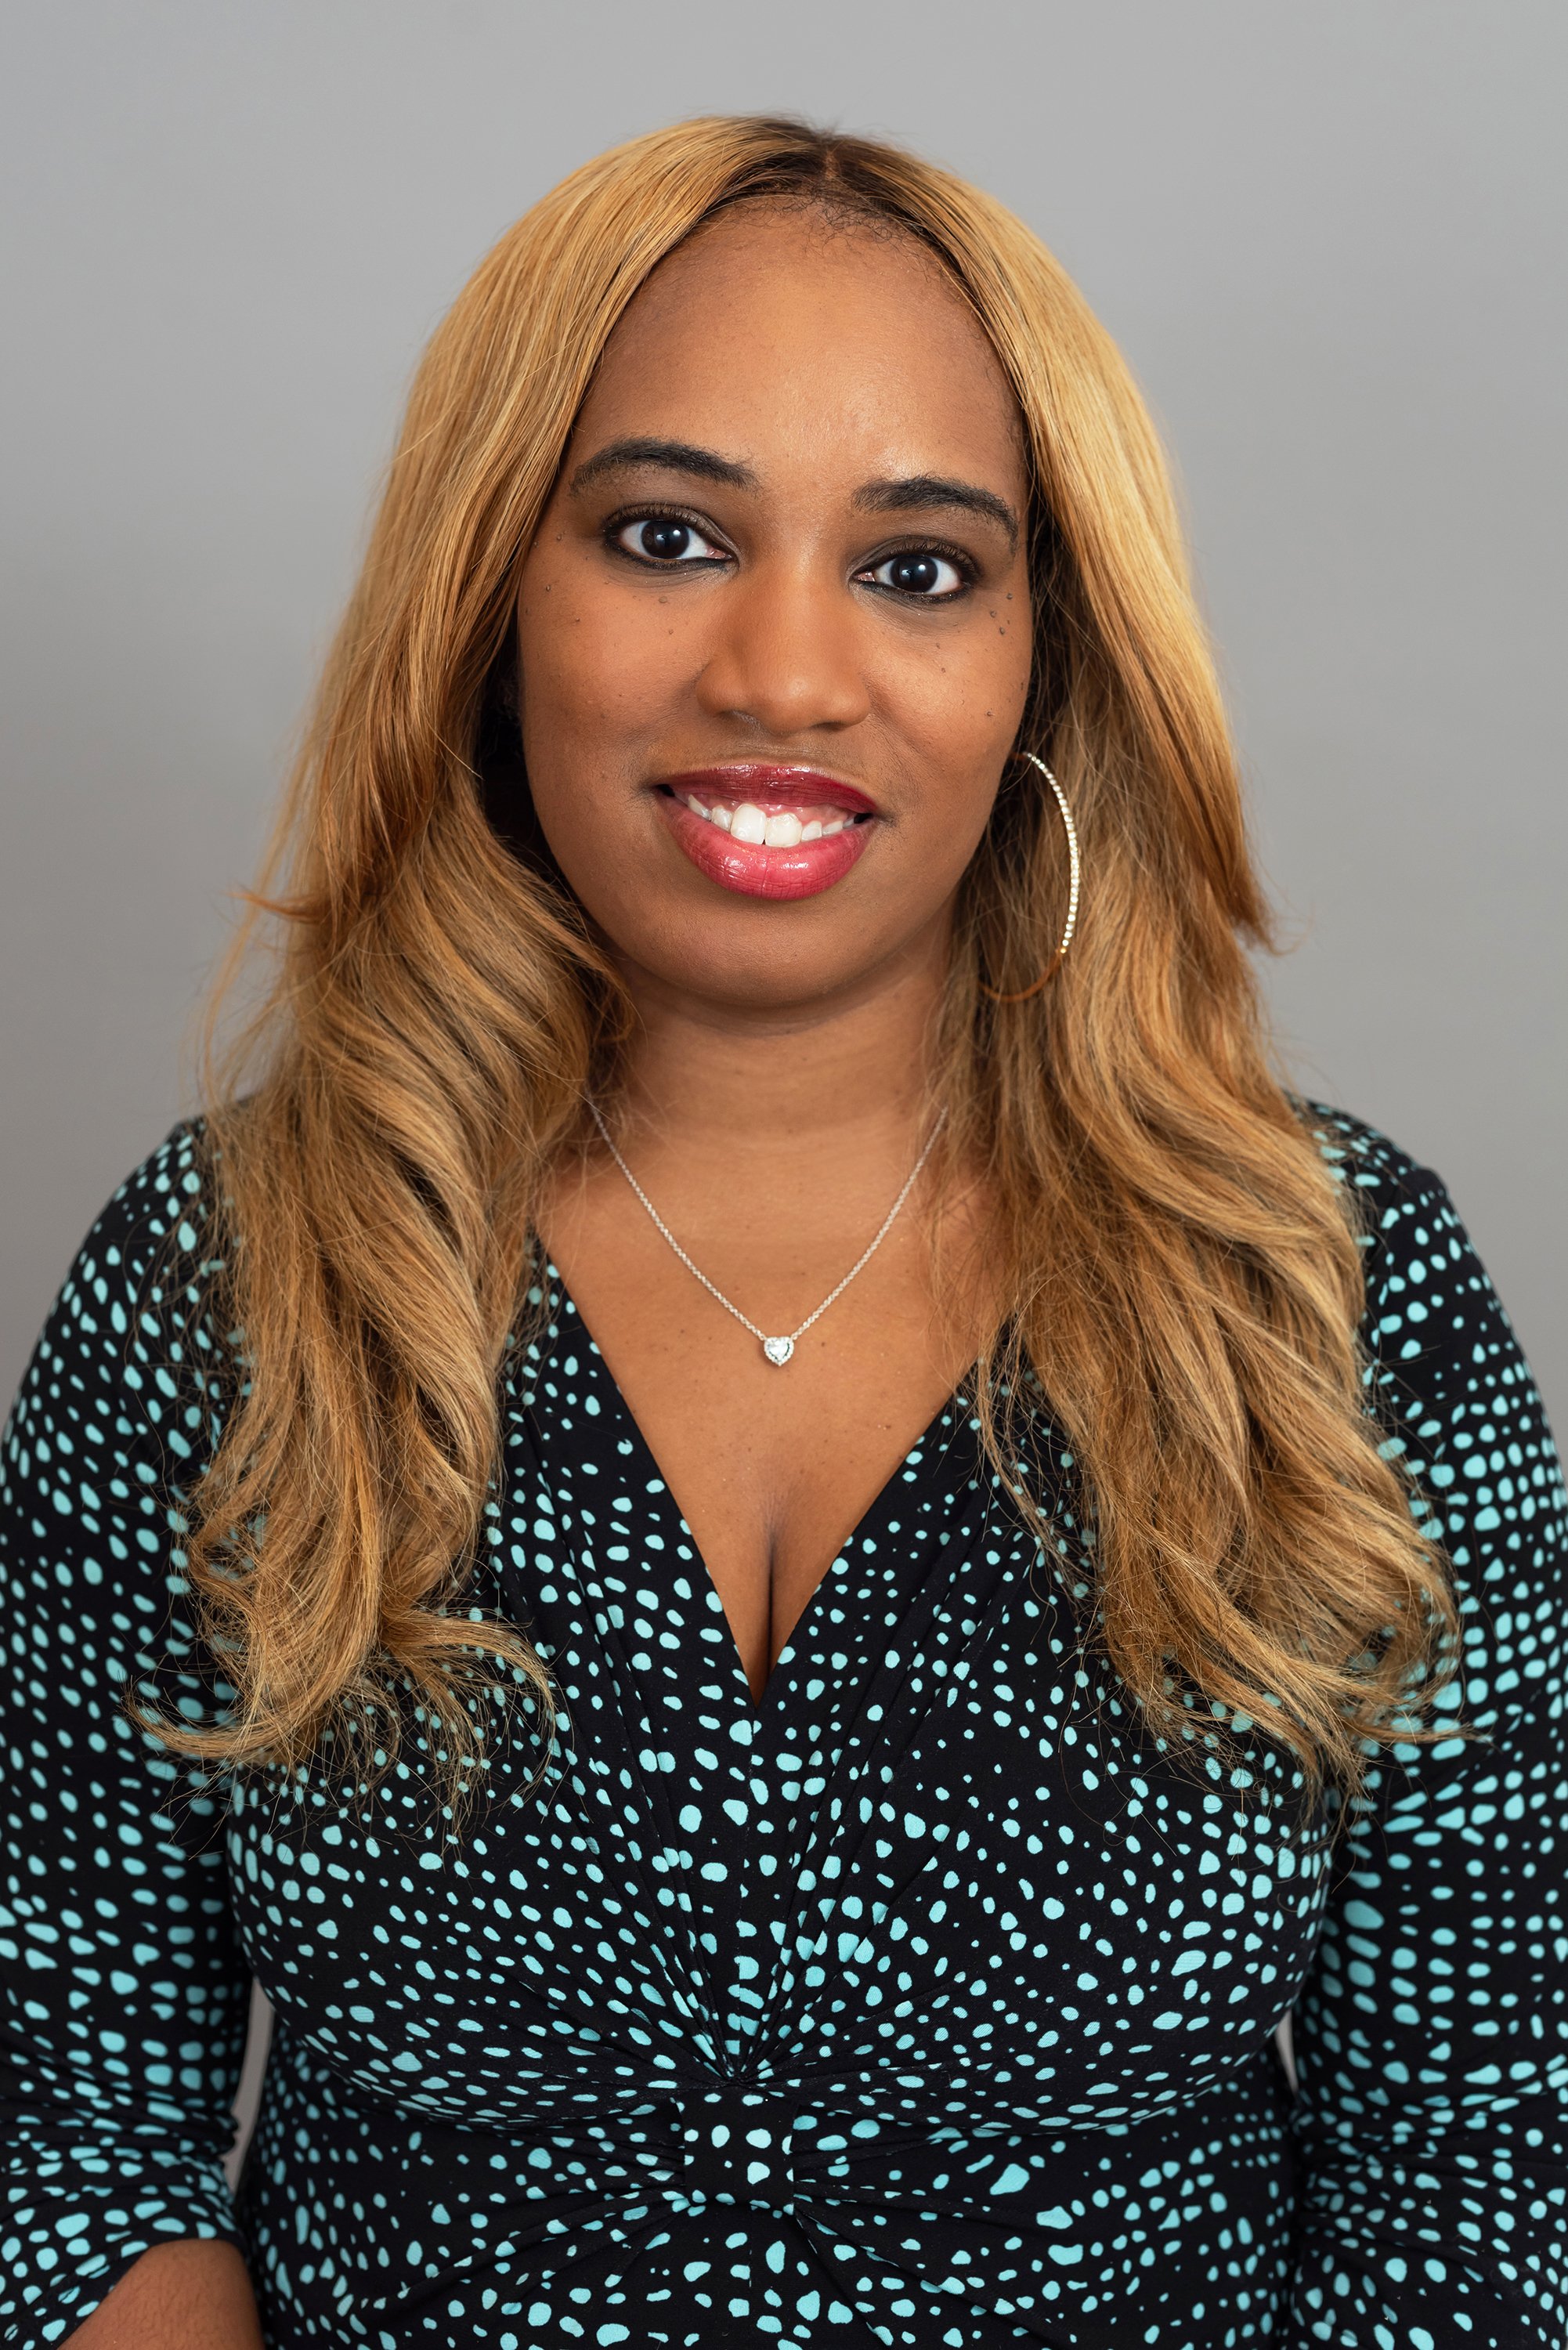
(1328, 237)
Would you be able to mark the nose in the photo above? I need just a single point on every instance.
(785, 656)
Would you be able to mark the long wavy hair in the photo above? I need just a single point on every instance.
(1183, 1274)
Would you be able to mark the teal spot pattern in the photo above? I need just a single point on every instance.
(929, 2001)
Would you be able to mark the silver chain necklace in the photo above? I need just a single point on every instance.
(778, 1350)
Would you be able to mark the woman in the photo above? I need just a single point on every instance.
(780, 1544)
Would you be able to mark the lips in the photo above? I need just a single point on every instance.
(768, 831)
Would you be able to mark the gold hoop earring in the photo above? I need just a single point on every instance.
(1071, 924)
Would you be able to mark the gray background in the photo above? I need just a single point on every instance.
(1329, 238)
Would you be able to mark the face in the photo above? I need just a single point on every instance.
(773, 631)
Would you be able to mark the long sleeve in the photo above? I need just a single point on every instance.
(1431, 2039)
(122, 1990)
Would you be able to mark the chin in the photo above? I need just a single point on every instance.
(721, 972)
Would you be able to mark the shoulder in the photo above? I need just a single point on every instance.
(152, 1255)
(166, 1197)
(1374, 1171)
(136, 1326)
(1421, 1269)
(1433, 1323)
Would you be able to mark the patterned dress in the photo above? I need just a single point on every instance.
(928, 2001)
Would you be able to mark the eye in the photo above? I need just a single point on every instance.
(665, 539)
(921, 573)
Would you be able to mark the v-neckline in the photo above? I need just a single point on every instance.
(765, 1707)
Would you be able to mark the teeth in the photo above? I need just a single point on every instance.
(748, 823)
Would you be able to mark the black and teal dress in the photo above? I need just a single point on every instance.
(927, 2002)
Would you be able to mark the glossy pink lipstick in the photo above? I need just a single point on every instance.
(765, 830)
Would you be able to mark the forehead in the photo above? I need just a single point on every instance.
(775, 334)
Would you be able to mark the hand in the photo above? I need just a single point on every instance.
(183, 2297)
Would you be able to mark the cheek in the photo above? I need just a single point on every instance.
(963, 701)
(961, 698)
(591, 671)
(561, 680)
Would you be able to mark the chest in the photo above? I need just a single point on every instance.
(772, 1465)
(938, 1848)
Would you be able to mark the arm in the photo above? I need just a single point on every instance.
(122, 1990)
(1432, 2035)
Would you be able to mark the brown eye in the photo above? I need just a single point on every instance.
(920, 573)
(666, 540)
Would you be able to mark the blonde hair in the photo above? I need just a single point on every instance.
(1184, 1276)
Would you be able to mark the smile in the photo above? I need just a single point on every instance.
(768, 831)
(751, 825)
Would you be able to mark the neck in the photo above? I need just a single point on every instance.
(850, 1073)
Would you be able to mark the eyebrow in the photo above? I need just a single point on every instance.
(901, 494)
(934, 490)
(670, 456)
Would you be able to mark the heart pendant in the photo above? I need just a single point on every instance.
(778, 1350)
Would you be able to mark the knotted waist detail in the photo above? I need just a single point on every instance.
(596, 2196)
(739, 2148)
(780, 2144)
(729, 2142)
